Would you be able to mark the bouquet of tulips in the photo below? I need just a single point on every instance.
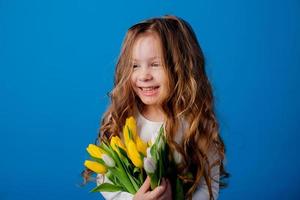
(127, 164)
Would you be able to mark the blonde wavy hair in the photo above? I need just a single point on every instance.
(190, 97)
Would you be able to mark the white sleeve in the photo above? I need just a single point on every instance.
(202, 191)
(113, 195)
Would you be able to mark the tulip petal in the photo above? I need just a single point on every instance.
(134, 155)
(95, 167)
(108, 160)
(149, 165)
(141, 146)
(95, 151)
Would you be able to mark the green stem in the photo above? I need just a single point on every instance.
(153, 181)
(126, 179)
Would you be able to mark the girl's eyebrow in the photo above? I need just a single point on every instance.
(151, 58)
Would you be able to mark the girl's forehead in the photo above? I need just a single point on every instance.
(146, 47)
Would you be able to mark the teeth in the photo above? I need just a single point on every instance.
(148, 88)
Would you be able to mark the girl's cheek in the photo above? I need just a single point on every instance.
(134, 75)
(132, 79)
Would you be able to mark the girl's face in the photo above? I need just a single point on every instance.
(149, 79)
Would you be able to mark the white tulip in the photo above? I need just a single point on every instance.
(149, 165)
(108, 160)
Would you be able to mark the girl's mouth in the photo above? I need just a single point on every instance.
(149, 91)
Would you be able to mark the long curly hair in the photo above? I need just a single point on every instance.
(190, 97)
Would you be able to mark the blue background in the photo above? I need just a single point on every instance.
(57, 63)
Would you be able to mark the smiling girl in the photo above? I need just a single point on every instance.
(160, 79)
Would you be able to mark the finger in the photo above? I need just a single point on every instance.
(158, 191)
(169, 190)
(146, 185)
(168, 183)
(163, 182)
(167, 194)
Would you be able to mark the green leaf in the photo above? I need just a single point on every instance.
(179, 193)
(120, 171)
(99, 160)
(141, 177)
(130, 133)
(141, 155)
(153, 152)
(125, 158)
(123, 179)
(153, 181)
(123, 153)
(110, 177)
(161, 169)
(134, 182)
(107, 187)
(136, 170)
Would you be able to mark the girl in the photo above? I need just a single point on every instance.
(160, 79)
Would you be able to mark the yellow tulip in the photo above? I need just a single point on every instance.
(131, 125)
(116, 142)
(95, 167)
(134, 155)
(141, 146)
(126, 135)
(95, 151)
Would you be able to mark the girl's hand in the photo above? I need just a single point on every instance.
(162, 192)
(167, 195)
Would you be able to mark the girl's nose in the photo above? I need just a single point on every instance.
(145, 74)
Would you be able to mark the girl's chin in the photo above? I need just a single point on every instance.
(149, 102)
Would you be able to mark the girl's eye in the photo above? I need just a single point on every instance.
(155, 64)
(134, 65)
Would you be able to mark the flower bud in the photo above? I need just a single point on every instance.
(95, 151)
(149, 165)
(95, 167)
(131, 124)
(129, 130)
(141, 145)
(116, 142)
(108, 160)
(134, 155)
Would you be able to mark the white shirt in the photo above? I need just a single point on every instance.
(148, 130)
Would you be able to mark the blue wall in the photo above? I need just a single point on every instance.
(57, 63)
